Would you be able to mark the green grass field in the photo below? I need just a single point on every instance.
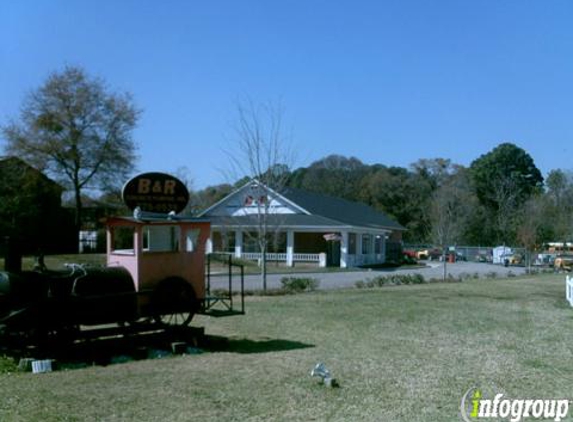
(404, 353)
(56, 262)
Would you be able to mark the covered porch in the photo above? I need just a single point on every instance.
(330, 247)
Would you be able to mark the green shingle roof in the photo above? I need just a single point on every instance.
(340, 210)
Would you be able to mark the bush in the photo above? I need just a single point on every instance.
(7, 365)
(391, 280)
(299, 284)
(408, 259)
(467, 276)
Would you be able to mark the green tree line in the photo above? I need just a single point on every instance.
(500, 198)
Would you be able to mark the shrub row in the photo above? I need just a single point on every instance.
(391, 280)
(299, 284)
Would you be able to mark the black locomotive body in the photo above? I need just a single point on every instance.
(32, 301)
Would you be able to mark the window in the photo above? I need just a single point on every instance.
(161, 238)
(378, 245)
(192, 240)
(352, 243)
(366, 244)
(122, 241)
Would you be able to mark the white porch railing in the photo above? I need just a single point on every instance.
(297, 257)
(569, 289)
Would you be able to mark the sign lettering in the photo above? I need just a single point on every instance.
(155, 192)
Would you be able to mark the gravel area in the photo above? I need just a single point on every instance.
(336, 280)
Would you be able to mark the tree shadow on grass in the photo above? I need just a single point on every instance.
(247, 346)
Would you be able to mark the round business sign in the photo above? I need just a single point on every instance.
(155, 192)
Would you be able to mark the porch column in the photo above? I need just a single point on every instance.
(209, 245)
(344, 250)
(372, 248)
(290, 248)
(238, 243)
(359, 251)
(383, 246)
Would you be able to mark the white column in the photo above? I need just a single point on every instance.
(209, 245)
(383, 247)
(359, 257)
(344, 250)
(290, 249)
(373, 248)
(238, 243)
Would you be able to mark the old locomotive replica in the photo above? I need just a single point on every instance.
(155, 273)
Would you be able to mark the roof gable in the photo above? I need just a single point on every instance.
(248, 199)
(291, 201)
(15, 164)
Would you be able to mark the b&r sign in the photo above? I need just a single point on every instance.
(155, 192)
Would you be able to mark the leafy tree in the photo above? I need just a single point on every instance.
(76, 130)
(401, 194)
(559, 204)
(434, 170)
(503, 180)
(334, 175)
(204, 198)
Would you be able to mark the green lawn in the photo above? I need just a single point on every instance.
(56, 262)
(404, 353)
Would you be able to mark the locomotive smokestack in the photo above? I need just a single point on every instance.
(12, 256)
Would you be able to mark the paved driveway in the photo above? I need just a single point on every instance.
(335, 280)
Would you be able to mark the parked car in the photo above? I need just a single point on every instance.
(563, 262)
(431, 254)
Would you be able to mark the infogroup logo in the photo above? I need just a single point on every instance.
(476, 406)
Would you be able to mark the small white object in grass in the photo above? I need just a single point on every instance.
(320, 371)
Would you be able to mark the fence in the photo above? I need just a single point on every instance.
(569, 289)
(472, 253)
(297, 257)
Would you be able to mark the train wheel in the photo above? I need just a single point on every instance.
(174, 303)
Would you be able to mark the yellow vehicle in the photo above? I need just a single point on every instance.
(512, 259)
(431, 254)
(563, 262)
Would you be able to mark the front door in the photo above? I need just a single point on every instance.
(333, 253)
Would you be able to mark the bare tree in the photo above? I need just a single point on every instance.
(533, 218)
(560, 204)
(449, 211)
(505, 194)
(78, 132)
(262, 153)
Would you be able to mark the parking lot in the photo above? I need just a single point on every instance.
(342, 279)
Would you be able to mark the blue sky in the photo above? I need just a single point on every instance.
(386, 81)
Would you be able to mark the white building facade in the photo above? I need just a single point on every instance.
(300, 227)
